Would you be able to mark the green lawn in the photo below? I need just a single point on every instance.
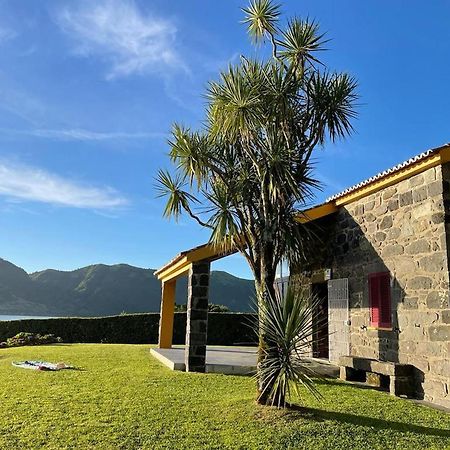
(125, 399)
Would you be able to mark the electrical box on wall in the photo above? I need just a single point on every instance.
(327, 274)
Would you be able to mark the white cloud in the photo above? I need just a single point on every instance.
(21, 103)
(6, 34)
(117, 31)
(18, 182)
(78, 134)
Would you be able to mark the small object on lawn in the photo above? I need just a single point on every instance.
(41, 365)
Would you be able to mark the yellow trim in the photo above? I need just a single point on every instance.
(172, 269)
(317, 212)
(389, 180)
(174, 274)
(180, 265)
(167, 314)
(445, 154)
(434, 160)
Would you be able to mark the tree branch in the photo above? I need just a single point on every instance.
(196, 218)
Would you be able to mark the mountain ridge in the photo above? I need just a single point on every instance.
(101, 289)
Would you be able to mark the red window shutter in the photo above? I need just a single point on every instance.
(374, 299)
(380, 299)
(385, 300)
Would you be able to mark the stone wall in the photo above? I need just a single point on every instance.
(197, 317)
(400, 229)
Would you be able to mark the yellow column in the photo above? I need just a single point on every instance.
(167, 314)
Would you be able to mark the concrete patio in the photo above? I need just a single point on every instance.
(231, 360)
(226, 360)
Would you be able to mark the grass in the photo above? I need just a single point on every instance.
(125, 399)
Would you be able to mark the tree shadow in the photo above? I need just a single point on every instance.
(321, 415)
(353, 384)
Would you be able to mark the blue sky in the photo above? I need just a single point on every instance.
(89, 90)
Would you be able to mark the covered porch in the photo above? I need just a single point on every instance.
(193, 356)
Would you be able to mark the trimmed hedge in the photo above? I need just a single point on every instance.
(223, 328)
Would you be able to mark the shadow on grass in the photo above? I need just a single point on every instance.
(350, 384)
(320, 415)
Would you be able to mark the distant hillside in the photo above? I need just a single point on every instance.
(102, 290)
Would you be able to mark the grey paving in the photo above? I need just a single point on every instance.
(227, 360)
(231, 360)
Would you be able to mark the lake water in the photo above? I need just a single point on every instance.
(3, 317)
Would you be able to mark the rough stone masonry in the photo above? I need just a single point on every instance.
(403, 229)
(197, 317)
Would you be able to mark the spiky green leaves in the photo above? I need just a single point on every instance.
(248, 171)
(189, 151)
(170, 187)
(223, 220)
(246, 174)
(332, 98)
(286, 323)
(261, 17)
(234, 102)
(300, 42)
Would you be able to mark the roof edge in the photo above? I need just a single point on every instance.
(413, 166)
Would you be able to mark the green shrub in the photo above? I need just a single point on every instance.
(223, 328)
(22, 339)
(212, 307)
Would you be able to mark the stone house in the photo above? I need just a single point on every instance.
(381, 269)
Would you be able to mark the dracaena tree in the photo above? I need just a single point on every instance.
(247, 171)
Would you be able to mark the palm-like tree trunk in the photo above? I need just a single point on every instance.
(265, 288)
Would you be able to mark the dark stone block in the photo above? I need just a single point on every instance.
(198, 314)
(438, 218)
(194, 339)
(446, 316)
(386, 222)
(393, 205)
(435, 300)
(420, 194)
(406, 198)
(199, 350)
(195, 363)
(204, 280)
(198, 326)
(435, 188)
(196, 359)
(200, 268)
(197, 369)
(410, 303)
(199, 291)
(198, 303)
(192, 281)
(439, 333)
